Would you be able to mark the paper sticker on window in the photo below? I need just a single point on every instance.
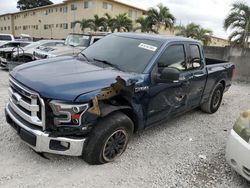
(147, 47)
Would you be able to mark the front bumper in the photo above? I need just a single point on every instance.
(238, 154)
(41, 141)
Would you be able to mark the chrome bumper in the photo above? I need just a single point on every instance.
(44, 143)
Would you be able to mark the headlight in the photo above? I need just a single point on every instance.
(67, 114)
(242, 126)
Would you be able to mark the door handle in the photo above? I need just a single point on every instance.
(198, 75)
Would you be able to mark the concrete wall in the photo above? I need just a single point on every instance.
(240, 57)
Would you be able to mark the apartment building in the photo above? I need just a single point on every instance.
(216, 41)
(57, 20)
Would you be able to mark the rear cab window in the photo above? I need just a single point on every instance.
(195, 57)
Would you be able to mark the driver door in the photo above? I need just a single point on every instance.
(169, 98)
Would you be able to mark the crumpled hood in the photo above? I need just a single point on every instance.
(66, 78)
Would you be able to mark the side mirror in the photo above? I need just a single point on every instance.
(169, 74)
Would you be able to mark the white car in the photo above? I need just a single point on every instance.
(238, 146)
(6, 38)
(27, 54)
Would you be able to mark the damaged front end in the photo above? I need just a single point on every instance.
(79, 118)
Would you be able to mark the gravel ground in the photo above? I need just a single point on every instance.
(163, 156)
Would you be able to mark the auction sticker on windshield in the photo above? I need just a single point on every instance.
(147, 47)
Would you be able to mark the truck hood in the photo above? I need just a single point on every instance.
(66, 78)
(64, 50)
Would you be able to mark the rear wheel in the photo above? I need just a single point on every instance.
(108, 139)
(214, 101)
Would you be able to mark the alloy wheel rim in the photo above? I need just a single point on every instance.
(217, 98)
(115, 145)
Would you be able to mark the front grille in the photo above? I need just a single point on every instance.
(27, 104)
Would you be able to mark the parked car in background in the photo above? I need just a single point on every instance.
(8, 48)
(13, 44)
(91, 104)
(238, 146)
(6, 38)
(74, 43)
(27, 54)
(24, 37)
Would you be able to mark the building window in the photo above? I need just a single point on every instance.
(72, 25)
(107, 6)
(132, 14)
(73, 7)
(65, 26)
(87, 4)
(65, 9)
(61, 9)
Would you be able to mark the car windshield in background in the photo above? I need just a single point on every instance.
(127, 54)
(33, 45)
(77, 40)
(5, 37)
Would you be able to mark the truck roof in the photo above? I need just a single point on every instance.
(156, 37)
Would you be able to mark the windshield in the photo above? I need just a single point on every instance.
(77, 40)
(33, 45)
(128, 54)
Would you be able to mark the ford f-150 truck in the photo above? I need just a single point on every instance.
(91, 104)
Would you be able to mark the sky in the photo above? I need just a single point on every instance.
(209, 14)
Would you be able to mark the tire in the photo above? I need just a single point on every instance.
(108, 139)
(214, 101)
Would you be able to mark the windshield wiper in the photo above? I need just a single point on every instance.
(107, 63)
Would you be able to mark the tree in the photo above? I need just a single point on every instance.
(110, 23)
(28, 4)
(195, 31)
(161, 16)
(84, 24)
(239, 21)
(122, 23)
(146, 25)
(98, 23)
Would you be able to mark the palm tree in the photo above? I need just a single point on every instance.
(98, 23)
(84, 24)
(110, 23)
(161, 16)
(190, 30)
(195, 31)
(204, 35)
(146, 25)
(239, 21)
(122, 23)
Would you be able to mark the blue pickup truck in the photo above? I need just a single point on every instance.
(90, 105)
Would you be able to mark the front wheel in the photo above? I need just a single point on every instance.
(214, 101)
(108, 139)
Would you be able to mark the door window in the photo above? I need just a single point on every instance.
(195, 57)
(174, 56)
